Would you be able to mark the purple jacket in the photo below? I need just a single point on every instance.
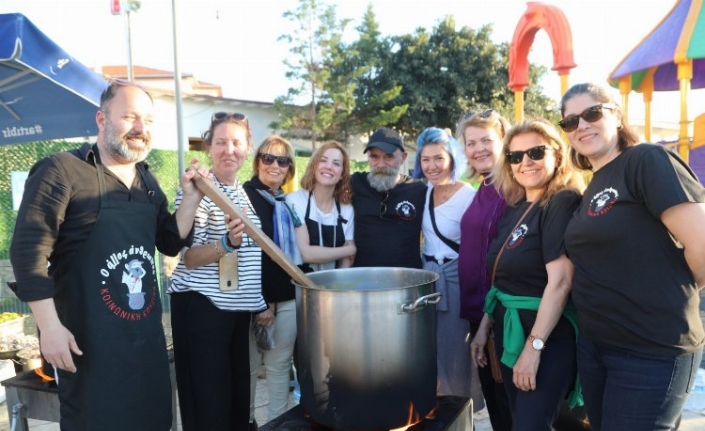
(478, 227)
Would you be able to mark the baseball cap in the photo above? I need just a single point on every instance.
(385, 139)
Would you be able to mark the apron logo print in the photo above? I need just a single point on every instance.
(133, 279)
(129, 288)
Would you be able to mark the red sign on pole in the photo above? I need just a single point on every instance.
(116, 7)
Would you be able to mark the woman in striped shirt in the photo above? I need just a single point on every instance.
(210, 320)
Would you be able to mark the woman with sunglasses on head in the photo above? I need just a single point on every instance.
(440, 160)
(210, 321)
(481, 134)
(638, 245)
(534, 329)
(325, 238)
(273, 166)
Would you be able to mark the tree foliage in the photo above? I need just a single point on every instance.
(408, 82)
(315, 47)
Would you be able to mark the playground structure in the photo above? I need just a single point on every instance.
(539, 16)
(671, 57)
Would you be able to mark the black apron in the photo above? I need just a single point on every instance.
(109, 300)
(332, 236)
(327, 236)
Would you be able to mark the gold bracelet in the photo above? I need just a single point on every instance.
(217, 250)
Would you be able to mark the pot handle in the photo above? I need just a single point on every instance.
(420, 303)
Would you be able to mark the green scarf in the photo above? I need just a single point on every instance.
(514, 339)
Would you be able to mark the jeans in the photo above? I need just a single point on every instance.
(277, 361)
(623, 391)
(496, 398)
(537, 410)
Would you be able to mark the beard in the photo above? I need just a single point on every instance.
(119, 148)
(384, 178)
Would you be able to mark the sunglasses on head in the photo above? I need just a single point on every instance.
(591, 114)
(233, 115)
(487, 113)
(535, 153)
(268, 159)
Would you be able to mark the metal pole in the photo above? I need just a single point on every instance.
(177, 84)
(130, 76)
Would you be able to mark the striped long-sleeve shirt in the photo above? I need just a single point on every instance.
(209, 227)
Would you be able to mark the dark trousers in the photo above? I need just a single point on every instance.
(537, 410)
(495, 395)
(623, 391)
(211, 359)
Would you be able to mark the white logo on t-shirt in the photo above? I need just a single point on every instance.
(602, 202)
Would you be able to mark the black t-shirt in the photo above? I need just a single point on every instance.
(393, 237)
(632, 286)
(538, 240)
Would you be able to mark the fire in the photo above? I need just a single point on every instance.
(412, 418)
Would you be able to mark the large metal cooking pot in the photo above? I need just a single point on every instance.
(367, 347)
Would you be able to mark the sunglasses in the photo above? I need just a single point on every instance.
(591, 114)
(487, 113)
(268, 159)
(535, 153)
(233, 115)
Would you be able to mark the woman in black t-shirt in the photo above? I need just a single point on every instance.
(531, 274)
(638, 245)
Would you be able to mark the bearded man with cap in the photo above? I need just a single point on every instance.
(388, 206)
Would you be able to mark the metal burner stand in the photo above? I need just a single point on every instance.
(451, 414)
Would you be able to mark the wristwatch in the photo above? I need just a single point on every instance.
(537, 343)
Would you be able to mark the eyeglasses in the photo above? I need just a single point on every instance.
(535, 153)
(268, 159)
(591, 114)
(233, 115)
(383, 207)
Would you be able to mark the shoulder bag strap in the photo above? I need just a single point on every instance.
(452, 244)
(496, 261)
(491, 350)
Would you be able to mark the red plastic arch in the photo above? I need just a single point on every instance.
(539, 16)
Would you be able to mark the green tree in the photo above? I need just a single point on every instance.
(315, 48)
(445, 74)
(376, 95)
(408, 82)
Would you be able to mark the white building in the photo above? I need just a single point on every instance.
(199, 101)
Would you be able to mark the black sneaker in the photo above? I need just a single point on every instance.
(253, 426)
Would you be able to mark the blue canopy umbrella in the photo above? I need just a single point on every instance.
(44, 92)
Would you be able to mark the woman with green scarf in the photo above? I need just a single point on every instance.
(528, 305)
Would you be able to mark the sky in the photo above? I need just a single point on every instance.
(233, 43)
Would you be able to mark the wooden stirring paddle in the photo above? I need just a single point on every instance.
(269, 247)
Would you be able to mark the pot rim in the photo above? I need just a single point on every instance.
(433, 277)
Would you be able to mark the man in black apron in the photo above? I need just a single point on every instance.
(83, 257)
